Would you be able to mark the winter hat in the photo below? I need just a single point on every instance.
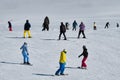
(65, 50)
(84, 47)
(25, 43)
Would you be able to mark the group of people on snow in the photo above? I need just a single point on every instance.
(63, 28)
(62, 60)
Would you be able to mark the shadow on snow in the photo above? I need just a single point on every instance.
(43, 74)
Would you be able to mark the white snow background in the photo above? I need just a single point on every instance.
(44, 48)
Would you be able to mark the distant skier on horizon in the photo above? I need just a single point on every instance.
(107, 25)
(117, 25)
(74, 25)
(85, 54)
(46, 24)
(9, 26)
(94, 26)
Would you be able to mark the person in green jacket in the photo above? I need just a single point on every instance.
(62, 63)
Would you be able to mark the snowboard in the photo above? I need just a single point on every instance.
(26, 64)
(81, 68)
(61, 75)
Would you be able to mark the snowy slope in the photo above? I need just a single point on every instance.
(44, 48)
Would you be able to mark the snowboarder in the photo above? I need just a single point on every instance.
(94, 26)
(107, 25)
(117, 25)
(27, 27)
(9, 26)
(81, 30)
(46, 24)
(85, 54)
(74, 25)
(62, 63)
(25, 53)
(62, 31)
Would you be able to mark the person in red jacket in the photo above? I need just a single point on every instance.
(85, 54)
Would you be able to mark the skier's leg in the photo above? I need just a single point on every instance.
(62, 68)
(29, 34)
(60, 35)
(83, 34)
(24, 33)
(64, 36)
(83, 62)
(57, 72)
(79, 33)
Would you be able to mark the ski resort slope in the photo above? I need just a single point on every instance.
(44, 51)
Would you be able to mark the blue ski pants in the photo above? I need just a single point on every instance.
(61, 69)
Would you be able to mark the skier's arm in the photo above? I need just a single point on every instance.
(80, 55)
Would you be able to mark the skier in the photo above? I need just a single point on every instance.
(74, 25)
(62, 31)
(81, 30)
(46, 24)
(94, 26)
(27, 27)
(117, 25)
(62, 63)
(85, 54)
(67, 24)
(107, 25)
(9, 26)
(25, 53)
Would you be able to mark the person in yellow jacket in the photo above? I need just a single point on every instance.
(27, 29)
(62, 63)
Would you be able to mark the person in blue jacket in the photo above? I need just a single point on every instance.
(25, 53)
(74, 25)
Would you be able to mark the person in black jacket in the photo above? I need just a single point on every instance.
(107, 25)
(27, 29)
(85, 54)
(62, 31)
(46, 24)
(9, 26)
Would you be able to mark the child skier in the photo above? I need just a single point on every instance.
(62, 63)
(25, 53)
(85, 54)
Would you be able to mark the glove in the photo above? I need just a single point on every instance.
(27, 53)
